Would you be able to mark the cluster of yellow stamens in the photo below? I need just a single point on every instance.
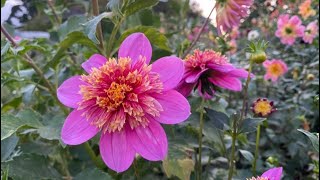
(262, 107)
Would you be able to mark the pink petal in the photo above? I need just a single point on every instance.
(150, 141)
(221, 68)
(175, 106)
(240, 73)
(68, 92)
(273, 174)
(77, 129)
(194, 76)
(227, 82)
(170, 69)
(116, 151)
(135, 45)
(95, 61)
(185, 88)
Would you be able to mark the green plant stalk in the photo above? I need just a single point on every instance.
(256, 153)
(200, 138)
(28, 60)
(95, 10)
(113, 35)
(235, 123)
(93, 156)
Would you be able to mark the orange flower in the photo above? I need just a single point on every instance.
(305, 9)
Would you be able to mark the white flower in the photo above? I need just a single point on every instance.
(253, 34)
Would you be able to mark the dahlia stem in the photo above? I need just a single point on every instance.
(256, 153)
(200, 139)
(95, 10)
(28, 60)
(93, 156)
(233, 148)
(193, 43)
(235, 123)
(113, 35)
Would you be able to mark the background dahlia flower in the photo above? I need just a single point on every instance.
(275, 69)
(207, 70)
(310, 32)
(230, 12)
(125, 99)
(305, 9)
(271, 174)
(289, 29)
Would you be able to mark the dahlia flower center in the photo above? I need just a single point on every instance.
(263, 107)
(120, 93)
(288, 30)
(275, 70)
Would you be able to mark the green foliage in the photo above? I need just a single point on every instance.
(138, 5)
(92, 173)
(313, 138)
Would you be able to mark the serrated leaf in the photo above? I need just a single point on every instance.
(155, 37)
(181, 168)
(7, 147)
(139, 5)
(30, 167)
(250, 124)
(313, 138)
(74, 23)
(93, 173)
(75, 37)
(90, 27)
(52, 130)
(247, 155)
(219, 119)
(10, 124)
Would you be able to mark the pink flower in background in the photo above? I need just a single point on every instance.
(233, 46)
(310, 32)
(289, 29)
(125, 99)
(271, 174)
(306, 10)
(230, 12)
(275, 68)
(195, 31)
(207, 69)
(234, 34)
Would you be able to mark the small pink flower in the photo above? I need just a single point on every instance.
(195, 31)
(233, 46)
(271, 174)
(234, 34)
(305, 9)
(275, 68)
(289, 29)
(125, 99)
(311, 32)
(17, 39)
(230, 12)
(207, 70)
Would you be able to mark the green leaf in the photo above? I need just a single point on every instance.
(247, 155)
(5, 48)
(5, 174)
(250, 124)
(155, 37)
(72, 38)
(3, 2)
(10, 124)
(139, 5)
(7, 147)
(90, 27)
(30, 167)
(219, 119)
(313, 138)
(74, 23)
(52, 130)
(93, 173)
(181, 168)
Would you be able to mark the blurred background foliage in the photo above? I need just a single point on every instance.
(60, 35)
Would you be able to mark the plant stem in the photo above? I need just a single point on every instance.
(95, 9)
(28, 60)
(93, 156)
(256, 153)
(113, 35)
(56, 17)
(200, 138)
(233, 148)
(235, 123)
(193, 43)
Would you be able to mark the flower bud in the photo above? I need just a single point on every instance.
(258, 57)
(310, 77)
(257, 51)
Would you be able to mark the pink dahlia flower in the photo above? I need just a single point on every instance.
(271, 174)
(207, 70)
(275, 68)
(125, 99)
(230, 12)
(311, 32)
(289, 29)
